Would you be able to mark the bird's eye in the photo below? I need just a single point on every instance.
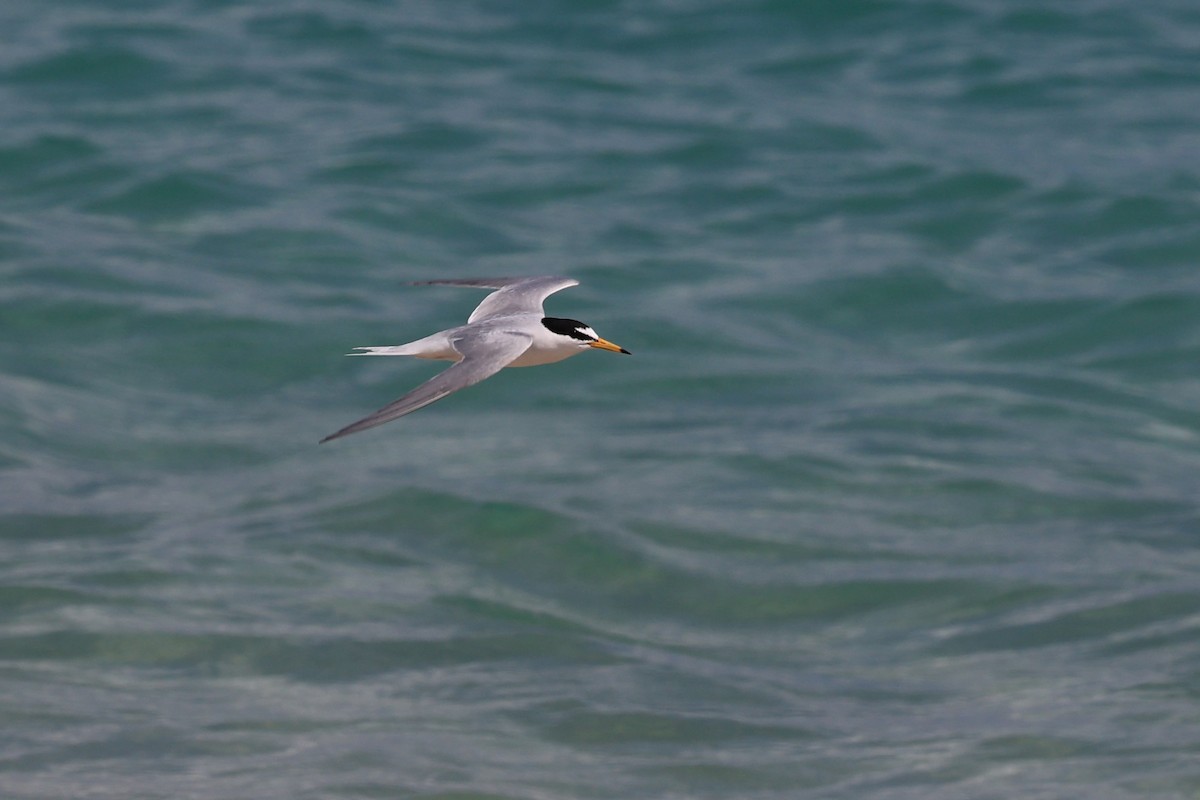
(588, 332)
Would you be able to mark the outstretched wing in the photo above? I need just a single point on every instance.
(514, 295)
(485, 352)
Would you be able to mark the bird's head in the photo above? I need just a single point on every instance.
(580, 334)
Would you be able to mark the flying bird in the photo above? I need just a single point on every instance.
(508, 329)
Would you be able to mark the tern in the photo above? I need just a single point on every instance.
(508, 329)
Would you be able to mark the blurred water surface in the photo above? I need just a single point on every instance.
(897, 497)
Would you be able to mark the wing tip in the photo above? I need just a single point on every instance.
(494, 282)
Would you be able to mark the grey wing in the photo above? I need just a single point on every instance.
(484, 354)
(513, 295)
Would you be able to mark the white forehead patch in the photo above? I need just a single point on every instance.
(586, 331)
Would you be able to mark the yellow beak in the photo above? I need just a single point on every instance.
(605, 344)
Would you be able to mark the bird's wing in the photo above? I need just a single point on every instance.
(513, 295)
(485, 352)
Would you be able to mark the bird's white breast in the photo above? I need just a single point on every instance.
(546, 348)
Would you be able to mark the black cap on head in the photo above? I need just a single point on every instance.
(570, 327)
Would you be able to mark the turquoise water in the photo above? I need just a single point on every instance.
(896, 498)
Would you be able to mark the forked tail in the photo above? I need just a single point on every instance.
(394, 350)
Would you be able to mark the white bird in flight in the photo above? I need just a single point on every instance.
(508, 329)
